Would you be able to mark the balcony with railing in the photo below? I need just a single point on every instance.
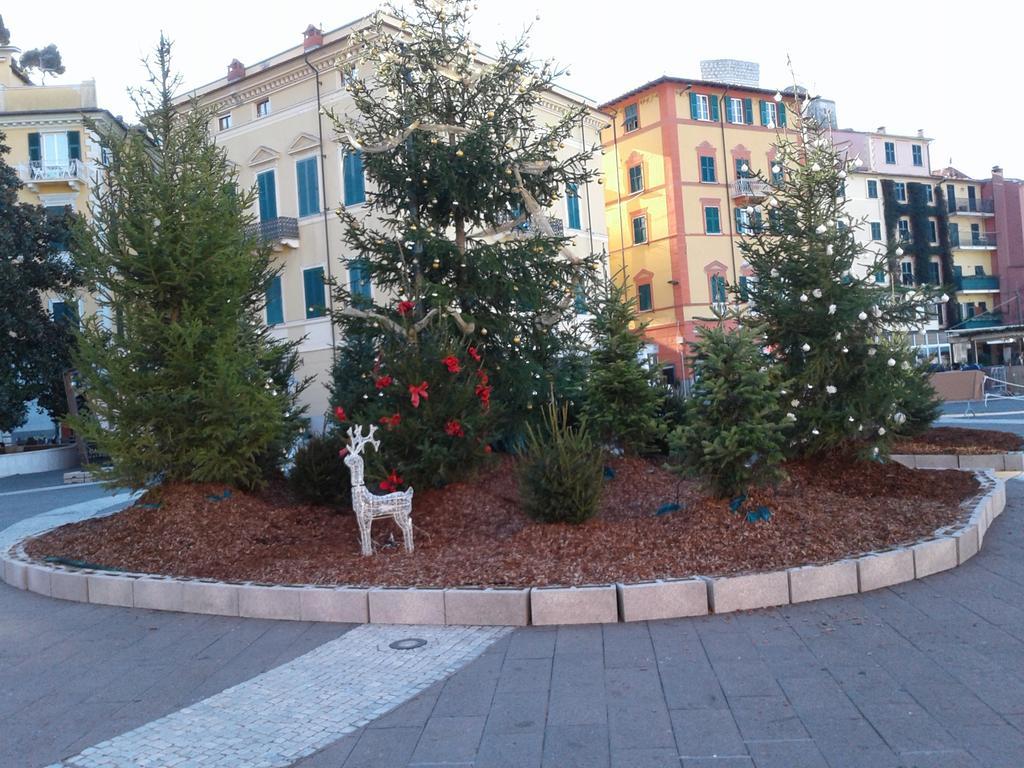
(968, 207)
(750, 189)
(983, 240)
(977, 283)
(282, 232)
(529, 227)
(986, 320)
(43, 171)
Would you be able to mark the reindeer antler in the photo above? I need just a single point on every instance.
(356, 440)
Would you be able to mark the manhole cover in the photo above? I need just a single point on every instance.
(407, 644)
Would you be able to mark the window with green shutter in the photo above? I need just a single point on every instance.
(74, 145)
(916, 154)
(707, 169)
(308, 186)
(872, 189)
(748, 111)
(639, 229)
(572, 201)
(876, 230)
(631, 118)
(645, 302)
(933, 234)
(636, 178)
(713, 104)
(890, 153)
(933, 273)
(712, 220)
(314, 292)
(354, 178)
(954, 235)
(359, 279)
(703, 107)
(734, 110)
(266, 188)
(899, 191)
(275, 302)
(35, 148)
(718, 289)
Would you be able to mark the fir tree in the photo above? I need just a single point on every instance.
(189, 386)
(734, 434)
(621, 394)
(34, 348)
(461, 169)
(825, 318)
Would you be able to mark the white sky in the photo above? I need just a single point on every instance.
(950, 71)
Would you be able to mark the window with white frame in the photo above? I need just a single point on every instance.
(703, 107)
(735, 107)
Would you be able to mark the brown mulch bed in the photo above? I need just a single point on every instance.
(957, 440)
(475, 534)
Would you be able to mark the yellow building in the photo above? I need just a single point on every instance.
(267, 115)
(54, 153)
(676, 164)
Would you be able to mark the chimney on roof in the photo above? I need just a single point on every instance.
(997, 171)
(920, 133)
(881, 129)
(312, 38)
(236, 70)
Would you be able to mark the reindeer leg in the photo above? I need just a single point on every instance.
(366, 546)
(406, 525)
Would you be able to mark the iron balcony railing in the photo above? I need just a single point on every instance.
(972, 240)
(43, 170)
(274, 230)
(749, 188)
(969, 283)
(986, 320)
(972, 206)
(529, 227)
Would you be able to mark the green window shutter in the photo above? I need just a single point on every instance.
(275, 305)
(748, 111)
(313, 288)
(713, 107)
(306, 179)
(359, 279)
(694, 109)
(764, 112)
(354, 178)
(781, 109)
(267, 195)
(74, 145)
(35, 148)
(644, 300)
(572, 197)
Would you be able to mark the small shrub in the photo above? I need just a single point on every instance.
(562, 471)
(734, 433)
(319, 476)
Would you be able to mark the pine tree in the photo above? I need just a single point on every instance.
(461, 169)
(189, 386)
(621, 394)
(34, 348)
(825, 318)
(734, 434)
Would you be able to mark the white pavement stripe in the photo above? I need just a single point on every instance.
(283, 715)
(30, 526)
(51, 488)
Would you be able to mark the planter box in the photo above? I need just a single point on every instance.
(742, 593)
(158, 594)
(487, 607)
(671, 599)
(69, 585)
(269, 602)
(814, 582)
(111, 590)
(967, 542)
(210, 597)
(574, 605)
(934, 556)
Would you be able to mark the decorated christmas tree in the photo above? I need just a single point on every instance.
(461, 167)
(734, 435)
(622, 395)
(185, 385)
(830, 326)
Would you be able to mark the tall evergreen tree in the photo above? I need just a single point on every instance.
(829, 324)
(34, 348)
(462, 168)
(189, 386)
(622, 396)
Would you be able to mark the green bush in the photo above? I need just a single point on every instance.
(319, 476)
(735, 427)
(562, 471)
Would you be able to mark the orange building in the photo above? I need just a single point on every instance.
(678, 159)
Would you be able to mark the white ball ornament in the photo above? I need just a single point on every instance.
(821, 229)
(881, 430)
(815, 432)
(744, 168)
(815, 167)
(795, 403)
(899, 417)
(944, 298)
(830, 389)
(776, 168)
(872, 352)
(791, 416)
(863, 316)
(890, 362)
(816, 293)
(858, 162)
(899, 251)
(831, 309)
(803, 297)
(806, 347)
(777, 97)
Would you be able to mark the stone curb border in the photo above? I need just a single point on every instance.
(946, 548)
(1000, 462)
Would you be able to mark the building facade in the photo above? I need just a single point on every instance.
(678, 159)
(56, 155)
(268, 117)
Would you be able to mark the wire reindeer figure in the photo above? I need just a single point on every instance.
(369, 506)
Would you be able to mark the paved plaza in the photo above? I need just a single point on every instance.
(929, 674)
